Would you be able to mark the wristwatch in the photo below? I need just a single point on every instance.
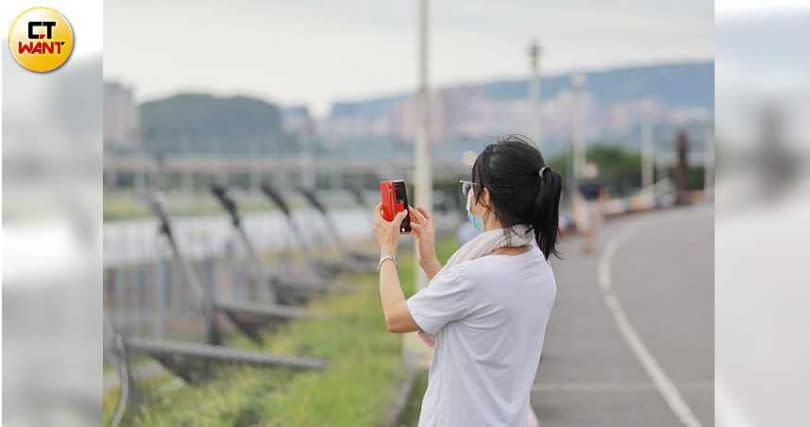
(384, 258)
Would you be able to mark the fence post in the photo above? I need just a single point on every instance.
(134, 316)
(159, 324)
(118, 287)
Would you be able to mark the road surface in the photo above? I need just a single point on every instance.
(631, 338)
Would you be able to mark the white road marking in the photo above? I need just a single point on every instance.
(629, 387)
(665, 386)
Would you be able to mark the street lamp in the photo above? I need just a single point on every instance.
(422, 168)
(578, 132)
(535, 118)
(415, 352)
(647, 149)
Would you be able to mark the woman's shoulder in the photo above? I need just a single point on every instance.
(490, 276)
(498, 264)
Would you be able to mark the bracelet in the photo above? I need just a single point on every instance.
(385, 258)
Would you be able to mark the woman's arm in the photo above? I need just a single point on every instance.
(395, 308)
(430, 267)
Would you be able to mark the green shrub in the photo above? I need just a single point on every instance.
(356, 389)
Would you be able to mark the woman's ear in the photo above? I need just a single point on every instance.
(487, 213)
(486, 200)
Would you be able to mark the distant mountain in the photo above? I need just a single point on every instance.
(203, 123)
(673, 85)
(469, 115)
(688, 84)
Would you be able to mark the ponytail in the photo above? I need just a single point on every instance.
(545, 221)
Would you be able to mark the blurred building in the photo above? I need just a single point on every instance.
(121, 124)
(404, 120)
(297, 119)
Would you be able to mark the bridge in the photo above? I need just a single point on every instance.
(195, 170)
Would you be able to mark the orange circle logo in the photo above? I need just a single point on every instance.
(41, 39)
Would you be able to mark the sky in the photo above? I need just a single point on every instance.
(314, 52)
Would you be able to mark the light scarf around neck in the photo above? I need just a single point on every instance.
(483, 245)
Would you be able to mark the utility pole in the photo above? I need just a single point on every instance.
(307, 145)
(422, 162)
(578, 133)
(647, 149)
(535, 115)
(254, 154)
(416, 353)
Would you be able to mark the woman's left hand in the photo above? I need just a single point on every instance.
(387, 233)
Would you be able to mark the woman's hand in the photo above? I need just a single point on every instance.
(387, 233)
(422, 226)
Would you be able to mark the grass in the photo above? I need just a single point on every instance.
(356, 389)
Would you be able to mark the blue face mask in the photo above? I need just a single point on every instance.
(476, 220)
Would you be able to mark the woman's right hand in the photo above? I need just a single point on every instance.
(425, 234)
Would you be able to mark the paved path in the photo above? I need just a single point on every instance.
(630, 341)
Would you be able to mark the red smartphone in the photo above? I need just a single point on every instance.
(394, 198)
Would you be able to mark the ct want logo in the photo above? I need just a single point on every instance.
(41, 39)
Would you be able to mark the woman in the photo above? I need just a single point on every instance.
(487, 309)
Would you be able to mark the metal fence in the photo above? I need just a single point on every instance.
(150, 299)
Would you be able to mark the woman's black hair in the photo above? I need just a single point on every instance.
(522, 189)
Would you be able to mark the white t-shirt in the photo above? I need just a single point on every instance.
(489, 316)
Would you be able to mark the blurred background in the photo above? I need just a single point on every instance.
(51, 238)
(243, 149)
(763, 212)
